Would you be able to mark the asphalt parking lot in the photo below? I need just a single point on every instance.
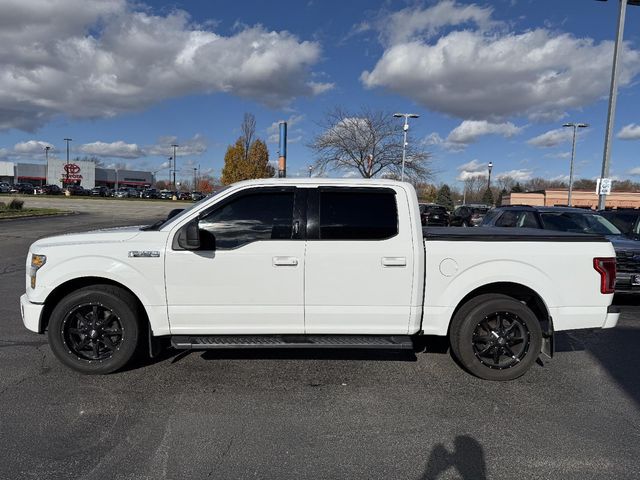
(306, 415)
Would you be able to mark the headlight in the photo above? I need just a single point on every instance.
(37, 261)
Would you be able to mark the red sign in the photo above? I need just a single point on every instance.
(72, 168)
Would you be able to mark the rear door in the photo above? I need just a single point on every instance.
(359, 261)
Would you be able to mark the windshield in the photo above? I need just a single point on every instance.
(162, 223)
(578, 222)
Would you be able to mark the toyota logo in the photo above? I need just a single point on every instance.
(71, 168)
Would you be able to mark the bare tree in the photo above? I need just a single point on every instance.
(247, 132)
(474, 187)
(369, 142)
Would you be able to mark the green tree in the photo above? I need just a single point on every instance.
(444, 197)
(487, 197)
(517, 188)
(503, 192)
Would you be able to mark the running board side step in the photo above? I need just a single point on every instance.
(197, 342)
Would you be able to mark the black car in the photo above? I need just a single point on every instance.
(100, 191)
(434, 215)
(577, 220)
(48, 190)
(626, 219)
(76, 190)
(22, 188)
(149, 193)
(468, 215)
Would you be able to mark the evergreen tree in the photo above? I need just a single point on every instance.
(517, 188)
(487, 197)
(444, 197)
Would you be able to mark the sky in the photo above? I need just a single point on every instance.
(492, 81)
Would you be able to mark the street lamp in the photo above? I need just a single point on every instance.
(613, 95)
(310, 170)
(67, 169)
(46, 168)
(490, 167)
(575, 127)
(175, 163)
(405, 128)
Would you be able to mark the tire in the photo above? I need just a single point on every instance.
(495, 337)
(90, 343)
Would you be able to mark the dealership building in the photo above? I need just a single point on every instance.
(78, 172)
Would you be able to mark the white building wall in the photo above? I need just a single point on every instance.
(84, 172)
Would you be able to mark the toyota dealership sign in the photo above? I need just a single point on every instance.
(81, 172)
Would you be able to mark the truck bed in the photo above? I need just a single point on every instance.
(503, 234)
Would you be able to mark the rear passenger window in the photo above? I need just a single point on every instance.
(508, 219)
(358, 215)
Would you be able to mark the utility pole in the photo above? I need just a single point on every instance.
(67, 169)
(405, 129)
(195, 169)
(46, 168)
(575, 127)
(613, 96)
(490, 167)
(175, 164)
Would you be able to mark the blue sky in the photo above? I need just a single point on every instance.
(492, 81)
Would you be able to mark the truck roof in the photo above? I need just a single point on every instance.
(364, 182)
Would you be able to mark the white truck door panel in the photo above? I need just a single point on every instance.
(359, 267)
(249, 276)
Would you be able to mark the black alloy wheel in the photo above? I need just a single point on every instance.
(92, 332)
(501, 340)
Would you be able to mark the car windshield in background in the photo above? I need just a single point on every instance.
(163, 223)
(435, 209)
(578, 223)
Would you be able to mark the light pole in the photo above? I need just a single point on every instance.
(195, 169)
(613, 95)
(175, 163)
(67, 169)
(490, 167)
(405, 128)
(575, 127)
(46, 168)
(310, 170)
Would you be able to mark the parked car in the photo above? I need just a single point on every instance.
(166, 194)
(626, 219)
(184, 196)
(76, 190)
(149, 193)
(48, 190)
(197, 196)
(26, 188)
(576, 220)
(5, 187)
(470, 215)
(328, 263)
(100, 191)
(433, 215)
(122, 193)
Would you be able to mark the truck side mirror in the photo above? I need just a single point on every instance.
(174, 212)
(189, 236)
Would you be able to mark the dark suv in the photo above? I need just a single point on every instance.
(576, 220)
(626, 219)
(434, 215)
(468, 215)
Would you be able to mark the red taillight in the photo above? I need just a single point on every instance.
(606, 267)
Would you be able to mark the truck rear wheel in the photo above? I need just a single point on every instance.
(95, 330)
(495, 337)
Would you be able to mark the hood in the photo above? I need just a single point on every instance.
(620, 242)
(108, 235)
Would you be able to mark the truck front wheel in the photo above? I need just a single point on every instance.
(495, 337)
(95, 329)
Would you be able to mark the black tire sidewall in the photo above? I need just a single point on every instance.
(466, 321)
(120, 302)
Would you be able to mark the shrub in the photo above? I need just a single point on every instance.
(3, 206)
(16, 204)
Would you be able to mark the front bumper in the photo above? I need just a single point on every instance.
(31, 314)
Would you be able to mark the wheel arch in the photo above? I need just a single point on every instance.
(69, 286)
(520, 292)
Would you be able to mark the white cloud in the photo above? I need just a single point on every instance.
(472, 169)
(433, 138)
(629, 132)
(552, 138)
(195, 145)
(293, 134)
(31, 147)
(560, 155)
(469, 131)
(635, 171)
(90, 58)
(401, 26)
(491, 74)
(520, 175)
(117, 149)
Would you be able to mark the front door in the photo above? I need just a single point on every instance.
(359, 267)
(248, 276)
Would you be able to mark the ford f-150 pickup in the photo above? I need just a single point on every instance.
(324, 263)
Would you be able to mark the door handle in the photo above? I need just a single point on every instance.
(285, 261)
(394, 261)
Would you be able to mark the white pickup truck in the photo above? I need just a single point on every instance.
(291, 263)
